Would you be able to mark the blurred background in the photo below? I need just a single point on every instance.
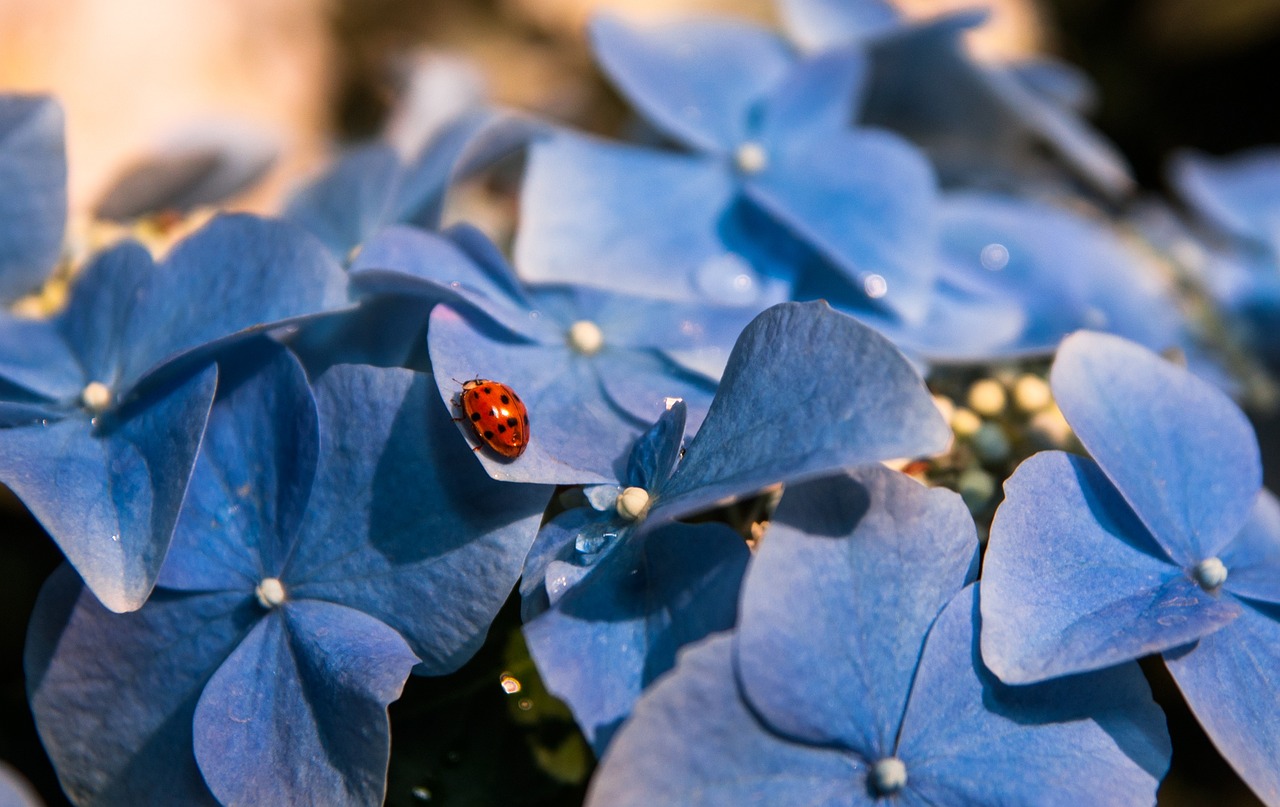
(138, 77)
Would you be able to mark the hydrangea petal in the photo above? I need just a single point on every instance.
(15, 791)
(865, 561)
(1072, 582)
(820, 94)
(724, 756)
(348, 203)
(1253, 556)
(110, 495)
(252, 478)
(654, 455)
(400, 513)
(583, 222)
(698, 79)
(618, 629)
(640, 382)
(102, 302)
(968, 739)
(33, 208)
(34, 357)
(297, 714)
(557, 542)
(134, 678)
(1230, 681)
(575, 435)
(864, 200)
(1238, 193)
(821, 24)
(236, 275)
(797, 365)
(1180, 452)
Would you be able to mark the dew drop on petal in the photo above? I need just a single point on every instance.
(589, 543)
(888, 776)
(875, 286)
(994, 257)
(728, 279)
(509, 683)
(421, 793)
(524, 704)
(1210, 573)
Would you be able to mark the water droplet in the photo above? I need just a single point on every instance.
(421, 793)
(509, 683)
(115, 536)
(994, 257)
(535, 315)
(875, 286)
(1171, 620)
(455, 285)
(524, 704)
(727, 279)
(589, 543)
(556, 586)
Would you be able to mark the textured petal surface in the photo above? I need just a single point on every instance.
(697, 80)
(110, 494)
(349, 201)
(33, 209)
(35, 359)
(724, 756)
(402, 524)
(252, 479)
(298, 713)
(1180, 452)
(1231, 682)
(864, 563)
(238, 274)
(1073, 582)
(815, 391)
(619, 628)
(103, 301)
(1253, 556)
(968, 739)
(134, 678)
(865, 200)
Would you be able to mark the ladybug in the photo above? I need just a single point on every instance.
(497, 416)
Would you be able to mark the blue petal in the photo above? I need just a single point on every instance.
(252, 478)
(641, 383)
(697, 80)
(655, 452)
(133, 679)
(1230, 681)
(298, 713)
(619, 628)
(237, 275)
(1061, 83)
(402, 524)
(1180, 452)
(33, 208)
(557, 545)
(102, 303)
(1237, 193)
(865, 562)
(110, 494)
(693, 741)
(819, 95)
(1073, 582)
(34, 357)
(576, 435)
(815, 391)
(385, 331)
(821, 24)
(1253, 556)
(968, 739)
(863, 199)
(15, 791)
(583, 221)
(351, 200)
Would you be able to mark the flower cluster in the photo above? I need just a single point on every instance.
(274, 509)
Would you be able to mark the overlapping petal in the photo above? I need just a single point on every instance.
(33, 210)
(1253, 556)
(1240, 194)
(821, 24)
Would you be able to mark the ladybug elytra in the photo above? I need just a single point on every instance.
(497, 416)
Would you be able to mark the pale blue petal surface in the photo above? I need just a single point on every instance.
(110, 495)
(852, 572)
(1230, 680)
(619, 628)
(133, 678)
(1240, 194)
(400, 513)
(1180, 452)
(1253, 556)
(103, 301)
(33, 208)
(1073, 582)
(697, 80)
(346, 204)
(797, 365)
(298, 713)
(821, 24)
(820, 94)
(34, 357)
(693, 741)
(1095, 739)
(15, 791)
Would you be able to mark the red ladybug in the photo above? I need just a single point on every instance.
(497, 415)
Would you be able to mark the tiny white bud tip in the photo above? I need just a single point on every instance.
(96, 396)
(586, 337)
(751, 158)
(888, 776)
(1210, 573)
(632, 502)
(270, 592)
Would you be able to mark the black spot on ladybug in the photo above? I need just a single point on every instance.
(512, 422)
(502, 429)
(505, 400)
(475, 417)
(488, 390)
(488, 435)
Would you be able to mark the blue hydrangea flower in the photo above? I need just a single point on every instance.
(104, 405)
(807, 390)
(1164, 543)
(854, 678)
(335, 538)
(16, 791)
(33, 210)
(766, 137)
(979, 122)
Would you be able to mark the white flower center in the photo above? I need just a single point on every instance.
(632, 502)
(751, 158)
(96, 397)
(1210, 573)
(270, 592)
(888, 776)
(586, 337)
